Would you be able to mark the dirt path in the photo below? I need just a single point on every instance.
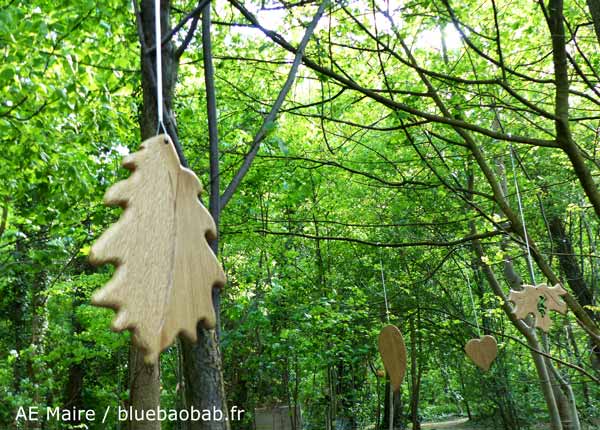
(456, 424)
(464, 424)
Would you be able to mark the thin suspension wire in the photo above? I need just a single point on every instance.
(387, 308)
(387, 315)
(159, 80)
(529, 259)
(473, 302)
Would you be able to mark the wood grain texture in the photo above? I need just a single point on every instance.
(482, 351)
(393, 354)
(165, 269)
(538, 300)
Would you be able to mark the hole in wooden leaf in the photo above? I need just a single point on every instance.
(541, 305)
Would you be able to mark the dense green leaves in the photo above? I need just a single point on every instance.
(361, 181)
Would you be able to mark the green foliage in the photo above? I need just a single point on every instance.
(346, 193)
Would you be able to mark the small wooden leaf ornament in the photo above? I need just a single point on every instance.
(482, 351)
(393, 354)
(165, 269)
(538, 300)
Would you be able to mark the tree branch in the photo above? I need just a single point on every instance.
(278, 39)
(270, 118)
(431, 243)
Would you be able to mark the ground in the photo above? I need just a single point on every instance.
(464, 424)
(457, 424)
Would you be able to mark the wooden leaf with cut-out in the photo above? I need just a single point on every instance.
(539, 301)
(165, 269)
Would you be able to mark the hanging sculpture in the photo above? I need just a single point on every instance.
(482, 351)
(165, 269)
(393, 354)
(538, 300)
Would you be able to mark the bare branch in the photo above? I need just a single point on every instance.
(278, 39)
(270, 118)
(431, 243)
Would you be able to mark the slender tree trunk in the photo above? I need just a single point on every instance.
(144, 388)
(515, 281)
(561, 77)
(144, 379)
(565, 399)
(532, 341)
(563, 393)
(388, 407)
(574, 275)
(594, 7)
(38, 324)
(576, 354)
(202, 362)
(17, 314)
(569, 264)
(415, 374)
(73, 396)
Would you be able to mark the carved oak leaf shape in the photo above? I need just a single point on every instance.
(165, 269)
(526, 302)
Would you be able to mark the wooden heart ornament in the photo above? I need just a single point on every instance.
(393, 354)
(482, 351)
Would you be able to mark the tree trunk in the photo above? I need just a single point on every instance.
(202, 363)
(569, 264)
(388, 407)
(144, 388)
(575, 279)
(562, 391)
(73, 395)
(530, 337)
(594, 7)
(565, 399)
(573, 352)
(38, 324)
(17, 314)
(203, 378)
(144, 379)
(415, 374)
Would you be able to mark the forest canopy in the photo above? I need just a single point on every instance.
(365, 162)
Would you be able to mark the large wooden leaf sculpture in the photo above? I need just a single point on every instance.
(165, 269)
(393, 354)
(538, 300)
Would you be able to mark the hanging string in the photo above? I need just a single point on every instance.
(387, 315)
(472, 302)
(529, 259)
(159, 80)
(387, 308)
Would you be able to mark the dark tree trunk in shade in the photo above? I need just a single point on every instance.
(574, 277)
(201, 361)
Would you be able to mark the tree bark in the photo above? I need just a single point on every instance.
(204, 378)
(575, 279)
(594, 7)
(38, 324)
(202, 364)
(73, 395)
(144, 388)
(561, 78)
(569, 264)
(530, 337)
(415, 374)
(144, 379)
